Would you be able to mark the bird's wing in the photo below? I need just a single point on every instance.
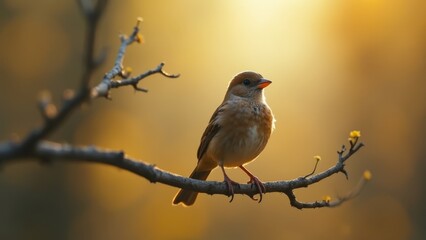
(211, 131)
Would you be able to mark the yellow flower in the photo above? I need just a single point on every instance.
(318, 158)
(355, 134)
(139, 38)
(128, 69)
(367, 175)
(326, 199)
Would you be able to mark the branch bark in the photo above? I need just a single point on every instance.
(51, 151)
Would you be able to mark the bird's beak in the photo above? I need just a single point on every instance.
(263, 83)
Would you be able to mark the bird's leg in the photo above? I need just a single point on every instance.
(229, 183)
(255, 181)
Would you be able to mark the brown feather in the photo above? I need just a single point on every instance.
(211, 130)
(187, 197)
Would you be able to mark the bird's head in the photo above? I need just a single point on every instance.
(247, 85)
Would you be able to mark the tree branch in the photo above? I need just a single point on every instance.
(108, 82)
(92, 13)
(135, 80)
(53, 116)
(50, 151)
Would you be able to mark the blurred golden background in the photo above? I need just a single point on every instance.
(336, 66)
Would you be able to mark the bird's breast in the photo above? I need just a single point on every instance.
(243, 135)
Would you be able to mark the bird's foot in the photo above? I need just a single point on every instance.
(256, 182)
(229, 183)
(260, 187)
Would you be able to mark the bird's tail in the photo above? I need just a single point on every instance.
(187, 197)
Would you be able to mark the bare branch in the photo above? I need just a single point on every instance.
(301, 205)
(135, 80)
(354, 193)
(108, 82)
(55, 151)
(92, 12)
(325, 203)
(53, 116)
(92, 15)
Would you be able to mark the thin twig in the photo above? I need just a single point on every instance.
(135, 80)
(92, 15)
(315, 167)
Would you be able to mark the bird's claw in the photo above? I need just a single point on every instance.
(260, 187)
(253, 198)
(229, 183)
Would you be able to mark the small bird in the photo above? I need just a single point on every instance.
(236, 134)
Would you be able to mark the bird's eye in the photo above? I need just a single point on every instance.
(246, 82)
